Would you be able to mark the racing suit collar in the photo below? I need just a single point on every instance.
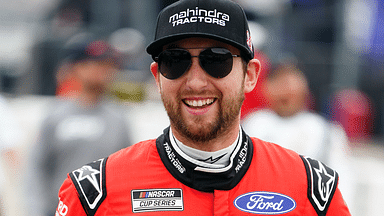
(214, 160)
(200, 177)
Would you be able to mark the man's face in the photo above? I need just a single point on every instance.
(201, 107)
(95, 75)
(287, 94)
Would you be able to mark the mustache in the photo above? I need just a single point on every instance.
(194, 93)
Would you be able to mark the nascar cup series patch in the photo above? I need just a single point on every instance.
(265, 203)
(157, 200)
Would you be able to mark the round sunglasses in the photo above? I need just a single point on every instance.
(217, 62)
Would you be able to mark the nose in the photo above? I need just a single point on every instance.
(196, 76)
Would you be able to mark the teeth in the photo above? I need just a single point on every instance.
(199, 103)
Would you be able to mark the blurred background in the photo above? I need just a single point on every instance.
(337, 44)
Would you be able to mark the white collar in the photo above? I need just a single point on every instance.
(211, 160)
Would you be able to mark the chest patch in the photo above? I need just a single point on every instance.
(150, 200)
(265, 203)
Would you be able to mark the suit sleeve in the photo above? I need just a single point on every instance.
(69, 202)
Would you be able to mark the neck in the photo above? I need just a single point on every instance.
(223, 140)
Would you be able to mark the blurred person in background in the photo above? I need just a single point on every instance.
(83, 125)
(203, 163)
(11, 136)
(354, 110)
(289, 122)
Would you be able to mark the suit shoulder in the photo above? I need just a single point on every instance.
(91, 179)
(133, 157)
(322, 184)
(321, 180)
(134, 152)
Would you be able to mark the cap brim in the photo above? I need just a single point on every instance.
(156, 47)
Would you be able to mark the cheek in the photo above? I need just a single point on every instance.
(234, 85)
(168, 87)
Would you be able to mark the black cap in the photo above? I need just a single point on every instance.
(84, 46)
(222, 20)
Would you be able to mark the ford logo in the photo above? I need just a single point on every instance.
(265, 203)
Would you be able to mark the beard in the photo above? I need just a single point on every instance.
(198, 130)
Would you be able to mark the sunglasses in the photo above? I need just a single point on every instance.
(217, 62)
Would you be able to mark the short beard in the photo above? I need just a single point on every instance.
(228, 113)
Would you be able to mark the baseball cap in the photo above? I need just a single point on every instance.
(222, 20)
(85, 46)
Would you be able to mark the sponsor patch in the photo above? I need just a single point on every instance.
(322, 184)
(173, 158)
(198, 15)
(62, 209)
(265, 203)
(89, 181)
(157, 200)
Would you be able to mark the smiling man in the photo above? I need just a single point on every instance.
(204, 163)
(204, 109)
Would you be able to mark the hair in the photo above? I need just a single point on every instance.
(285, 68)
(245, 62)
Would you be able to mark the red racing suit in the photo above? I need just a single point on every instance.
(152, 178)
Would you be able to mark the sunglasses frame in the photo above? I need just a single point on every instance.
(157, 59)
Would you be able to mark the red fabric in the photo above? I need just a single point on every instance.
(273, 169)
(69, 204)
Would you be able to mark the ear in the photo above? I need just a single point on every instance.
(155, 73)
(253, 72)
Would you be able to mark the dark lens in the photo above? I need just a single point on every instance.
(174, 63)
(217, 62)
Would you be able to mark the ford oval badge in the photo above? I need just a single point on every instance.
(265, 203)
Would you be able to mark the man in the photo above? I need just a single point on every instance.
(78, 124)
(203, 164)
